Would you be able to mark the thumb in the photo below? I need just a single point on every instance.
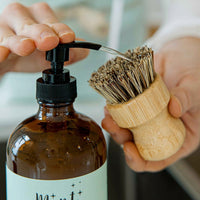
(184, 97)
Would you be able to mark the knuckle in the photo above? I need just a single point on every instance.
(14, 7)
(37, 28)
(3, 39)
(44, 5)
(41, 5)
(23, 26)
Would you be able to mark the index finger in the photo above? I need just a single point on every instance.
(19, 19)
(43, 14)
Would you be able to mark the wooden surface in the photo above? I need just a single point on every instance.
(156, 133)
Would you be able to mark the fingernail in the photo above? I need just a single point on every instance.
(67, 36)
(46, 34)
(25, 39)
(64, 33)
(179, 104)
(122, 146)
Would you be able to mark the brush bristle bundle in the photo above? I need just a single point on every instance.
(120, 80)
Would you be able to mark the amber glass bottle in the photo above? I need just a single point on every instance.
(58, 154)
(56, 143)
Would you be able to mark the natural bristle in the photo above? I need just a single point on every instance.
(120, 80)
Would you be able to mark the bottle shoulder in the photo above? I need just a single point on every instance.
(75, 126)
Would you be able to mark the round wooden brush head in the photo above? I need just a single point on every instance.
(156, 133)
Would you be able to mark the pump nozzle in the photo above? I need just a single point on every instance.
(60, 54)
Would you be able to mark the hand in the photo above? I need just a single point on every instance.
(26, 33)
(179, 64)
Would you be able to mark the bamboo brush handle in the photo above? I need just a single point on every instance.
(157, 134)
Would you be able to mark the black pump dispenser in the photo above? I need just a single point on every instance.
(56, 85)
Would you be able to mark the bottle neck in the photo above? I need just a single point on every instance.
(54, 111)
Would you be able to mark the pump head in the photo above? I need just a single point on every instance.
(56, 84)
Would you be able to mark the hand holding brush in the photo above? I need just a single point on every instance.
(181, 75)
(137, 99)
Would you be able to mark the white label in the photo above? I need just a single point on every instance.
(92, 186)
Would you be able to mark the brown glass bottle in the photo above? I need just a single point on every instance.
(58, 154)
(56, 143)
